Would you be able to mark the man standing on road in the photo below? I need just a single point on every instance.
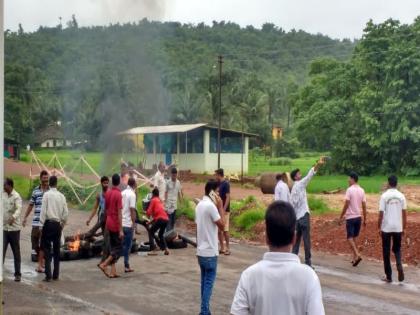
(208, 220)
(392, 224)
(99, 209)
(279, 284)
(12, 208)
(128, 220)
(54, 214)
(36, 201)
(224, 193)
(159, 181)
(300, 204)
(113, 204)
(281, 191)
(355, 200)
(173, 191)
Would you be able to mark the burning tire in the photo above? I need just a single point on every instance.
(177, 244)
(66, 255)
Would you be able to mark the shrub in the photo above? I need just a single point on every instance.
(186, 208)
(286, 147)
(248, 219)
(280, 161)
(318, 206)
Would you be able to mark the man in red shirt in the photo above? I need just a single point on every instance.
(160, 221)
(113, 205)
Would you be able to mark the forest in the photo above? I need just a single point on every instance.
(357, 99)
(99, 80)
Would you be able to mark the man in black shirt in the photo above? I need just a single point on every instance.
(224, 193)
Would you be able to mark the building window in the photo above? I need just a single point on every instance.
(230, 142)
(195, 141)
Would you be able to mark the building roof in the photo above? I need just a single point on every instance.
(175, 129)
(51, 132)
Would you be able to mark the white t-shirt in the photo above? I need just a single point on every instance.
(282, 192)
(160, 183)
(129, 201)
(206, 215)
(278, 284)
(173, 189)
(392, 204)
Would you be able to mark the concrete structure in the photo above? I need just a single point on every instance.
(52, 137)
(194, 147)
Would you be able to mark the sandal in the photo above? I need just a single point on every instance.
(357, 261)
(227, 252)
(39, 270)
(385, 279)
(103, 270)
(114, 276)
(222, 252)
(127, 270)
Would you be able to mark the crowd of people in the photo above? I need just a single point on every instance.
(287, 222)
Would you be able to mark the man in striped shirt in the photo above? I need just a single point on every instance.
(36, 201)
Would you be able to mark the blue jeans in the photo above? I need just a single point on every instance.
(208, 267)
(128, 240)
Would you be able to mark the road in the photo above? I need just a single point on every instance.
(170, 284)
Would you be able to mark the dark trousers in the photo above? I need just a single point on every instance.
(106, 246)
(51, 235)
(171, 222)
(386, 251)
(303, 229)
(159, 225)
(12, 238)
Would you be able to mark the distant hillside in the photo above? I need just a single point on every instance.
(99, 80)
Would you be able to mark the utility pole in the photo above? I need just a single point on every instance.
(219, 143)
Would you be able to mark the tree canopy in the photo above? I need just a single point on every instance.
(366, 111)
(99, 80)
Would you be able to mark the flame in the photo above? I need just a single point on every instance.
(74, 246)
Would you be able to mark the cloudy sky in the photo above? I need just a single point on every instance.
(336, 18)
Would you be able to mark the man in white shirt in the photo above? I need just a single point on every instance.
(12, 209)
(281, 191)
(208, 220)
(53, 216)
(173, 191)
(300, 204)
(159, 181)
(128, 220)
(392, 224)
(279, 284)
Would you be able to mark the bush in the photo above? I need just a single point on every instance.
(248, 219)
(286, 147)
(186, 208)
(318, 206)
(280, 161)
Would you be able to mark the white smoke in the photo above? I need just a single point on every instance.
(123, 11)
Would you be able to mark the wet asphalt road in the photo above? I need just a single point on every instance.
(170, 284)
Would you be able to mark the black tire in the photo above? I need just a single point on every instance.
(144, 247)
(170, 235)
(134, 246)
(187, 240)
(66, 255)
(177, 244)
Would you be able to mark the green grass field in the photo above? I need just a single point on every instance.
(108, 163)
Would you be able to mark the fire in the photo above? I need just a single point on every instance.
(74, 246)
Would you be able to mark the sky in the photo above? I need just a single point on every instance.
(336, 18)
